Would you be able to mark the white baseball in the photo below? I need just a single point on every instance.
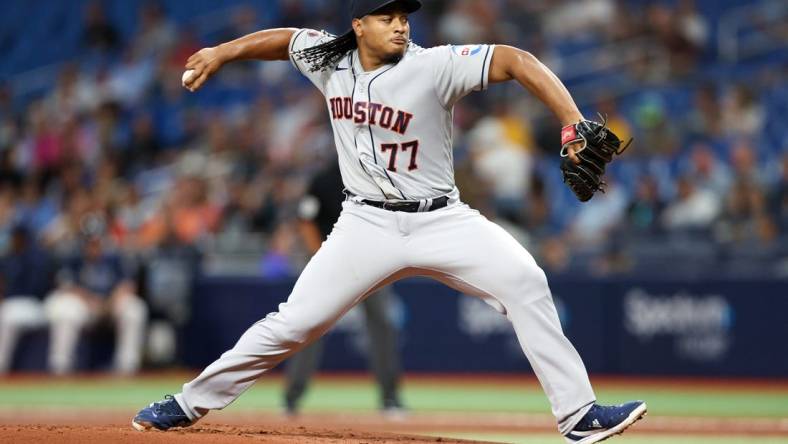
(186, 76)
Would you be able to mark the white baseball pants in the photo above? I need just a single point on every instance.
(69, 314)
(371, 247)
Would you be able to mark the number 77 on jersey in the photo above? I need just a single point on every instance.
(412, 146)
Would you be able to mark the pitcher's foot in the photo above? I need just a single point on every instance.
(602, 422)
(161, 415)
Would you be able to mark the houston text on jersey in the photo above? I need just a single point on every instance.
(371, 113)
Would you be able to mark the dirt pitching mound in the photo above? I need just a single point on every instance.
(70, 434)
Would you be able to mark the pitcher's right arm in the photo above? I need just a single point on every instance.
(269, 44)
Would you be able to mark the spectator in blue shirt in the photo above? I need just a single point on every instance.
(94, 286)
(24, 279)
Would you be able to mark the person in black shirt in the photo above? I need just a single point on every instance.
(24, 279)
(318, 211)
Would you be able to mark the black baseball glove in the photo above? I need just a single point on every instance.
(597, 145)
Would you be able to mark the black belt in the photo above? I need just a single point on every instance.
(411, 206)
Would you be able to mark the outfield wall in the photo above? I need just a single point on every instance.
(717, 328)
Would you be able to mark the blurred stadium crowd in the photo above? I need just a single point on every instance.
(118, 185)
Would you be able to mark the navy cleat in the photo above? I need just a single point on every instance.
(162, 415)
(602, 422)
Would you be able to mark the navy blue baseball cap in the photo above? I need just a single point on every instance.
(360, 8)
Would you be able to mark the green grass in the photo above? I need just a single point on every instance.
(361, 395)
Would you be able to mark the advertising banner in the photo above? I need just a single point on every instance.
(619, 327)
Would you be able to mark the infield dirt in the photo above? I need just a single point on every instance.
(105, 427)
(36, 434)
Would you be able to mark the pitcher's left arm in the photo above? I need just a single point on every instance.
(587, 145)
(509, 63)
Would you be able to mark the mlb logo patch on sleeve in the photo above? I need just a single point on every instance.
(466, 50)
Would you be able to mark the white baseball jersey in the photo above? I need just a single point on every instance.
(393, 126)
(393, 131)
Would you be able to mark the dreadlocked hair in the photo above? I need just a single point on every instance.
(323, 56)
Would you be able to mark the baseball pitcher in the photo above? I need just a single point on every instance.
(390, 103)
